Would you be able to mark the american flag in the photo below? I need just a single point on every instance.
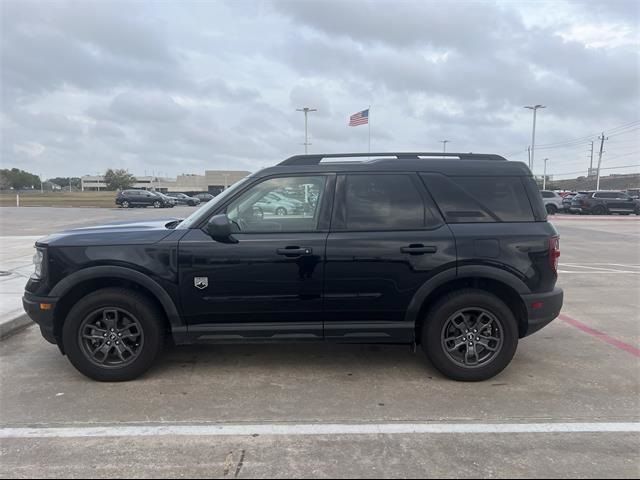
(360, 118)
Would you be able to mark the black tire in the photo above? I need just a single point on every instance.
(281, 211)
(157, 204)
(147, 315)
(439, 317)
(126, 204)
(551, 209)
(599, 210)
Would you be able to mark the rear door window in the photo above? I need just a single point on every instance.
(480, 199)
(377, 202)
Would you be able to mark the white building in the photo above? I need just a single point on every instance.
(213, 181)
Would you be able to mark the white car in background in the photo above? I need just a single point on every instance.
(552, 201)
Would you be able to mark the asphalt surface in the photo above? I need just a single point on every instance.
(582, 368)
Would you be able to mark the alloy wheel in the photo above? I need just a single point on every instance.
(111, 337)
(472, 337)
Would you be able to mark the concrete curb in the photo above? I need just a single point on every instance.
(14, 325)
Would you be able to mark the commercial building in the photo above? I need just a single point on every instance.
(213, 182)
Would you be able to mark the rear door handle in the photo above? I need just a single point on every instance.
(419, 249)
(295, 251)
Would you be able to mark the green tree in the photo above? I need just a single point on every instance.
(119, 179)
(19, 179)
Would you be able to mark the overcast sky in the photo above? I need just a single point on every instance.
(177, 87)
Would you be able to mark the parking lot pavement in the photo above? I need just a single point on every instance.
(583, 368)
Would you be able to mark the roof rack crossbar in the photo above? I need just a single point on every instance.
(315, 159)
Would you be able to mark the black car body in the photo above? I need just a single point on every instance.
(455, 254)
(182, 199)
(142, 198)
(604, 202)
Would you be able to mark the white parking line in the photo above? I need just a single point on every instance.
(315, 429)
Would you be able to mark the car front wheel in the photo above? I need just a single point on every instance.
(113, 335)
(470, 335)
(125, 204)
(281, 211)
(552, 209)
(157, 204)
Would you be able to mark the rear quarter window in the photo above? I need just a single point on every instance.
(480, 199)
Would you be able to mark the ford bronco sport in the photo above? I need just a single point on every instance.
(449, 251)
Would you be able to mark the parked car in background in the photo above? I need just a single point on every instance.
(141, 198)
(277, 204)
(566, 201)
(605, 203)
(204, 197)
(552, 201)
(182, 199)
(633, 192)
(169, 202)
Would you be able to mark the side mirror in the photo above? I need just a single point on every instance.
(219, 228)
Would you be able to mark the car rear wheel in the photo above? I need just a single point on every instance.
(281, 211)
(470, 335)
(599, 210)
(126, 204)
(113, 335)
(551, 209)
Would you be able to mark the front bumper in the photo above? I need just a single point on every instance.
(542, 309)
(44, 318)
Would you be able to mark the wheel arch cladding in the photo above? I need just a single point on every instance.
(83, 282)
(432, 291)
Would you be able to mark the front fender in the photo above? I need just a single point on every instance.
(108, 271)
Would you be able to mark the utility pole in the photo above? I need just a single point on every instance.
(41, 185)
(306, 111)
(544, 177)
(444, 145)
(533, 135)
(591, 163)
(602, 139)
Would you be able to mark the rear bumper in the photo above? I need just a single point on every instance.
(542, 309)
(44, 318)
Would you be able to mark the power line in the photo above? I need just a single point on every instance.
(614, 130)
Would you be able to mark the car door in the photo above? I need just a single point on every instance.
(268, 285)
(387, 239)
(624, 202)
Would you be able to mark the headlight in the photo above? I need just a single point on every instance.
(38, 261)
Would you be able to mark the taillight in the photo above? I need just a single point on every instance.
(554, 253)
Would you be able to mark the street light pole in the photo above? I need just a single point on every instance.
(444, 145)
(306, 111)
(533, 135)
(544, 178)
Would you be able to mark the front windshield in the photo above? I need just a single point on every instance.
(210, 206)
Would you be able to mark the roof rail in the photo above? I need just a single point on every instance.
(315, 159)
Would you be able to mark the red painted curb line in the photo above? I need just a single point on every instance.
(600, 335)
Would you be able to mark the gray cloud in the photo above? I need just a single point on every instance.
(189, 86)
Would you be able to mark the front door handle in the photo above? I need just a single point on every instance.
(419, 249)
(295, 251)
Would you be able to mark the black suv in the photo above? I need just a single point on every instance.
(452, 252)
(604, 203)
(142, 198)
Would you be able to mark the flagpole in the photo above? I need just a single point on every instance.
(369, 122)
